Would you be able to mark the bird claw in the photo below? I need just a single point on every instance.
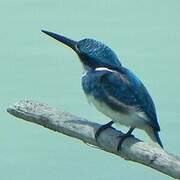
(123, 137)
(102, 128)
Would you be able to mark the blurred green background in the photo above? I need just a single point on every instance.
(145, 35)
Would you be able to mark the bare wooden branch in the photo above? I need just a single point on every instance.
(132, 148)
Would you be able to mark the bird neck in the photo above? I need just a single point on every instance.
(87, 69)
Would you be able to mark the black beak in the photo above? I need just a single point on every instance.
(72, 44)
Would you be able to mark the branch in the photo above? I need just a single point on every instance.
(132, 149)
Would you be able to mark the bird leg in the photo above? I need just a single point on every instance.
(102, 128)
(123, 137)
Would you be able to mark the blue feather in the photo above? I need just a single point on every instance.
(97, 54)
(124, 88)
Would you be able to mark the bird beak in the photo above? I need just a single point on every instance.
(72, 44)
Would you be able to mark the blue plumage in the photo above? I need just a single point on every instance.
(125, 88)
(113, 89)
(97, 53)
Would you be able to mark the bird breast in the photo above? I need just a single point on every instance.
(132, 119)
(95, 95)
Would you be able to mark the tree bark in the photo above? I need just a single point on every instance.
(132, 148)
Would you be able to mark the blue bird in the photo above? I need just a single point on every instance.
(113, 89)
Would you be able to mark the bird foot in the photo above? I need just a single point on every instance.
(102, 128)
(124, 137)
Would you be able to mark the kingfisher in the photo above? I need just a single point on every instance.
(113, 89)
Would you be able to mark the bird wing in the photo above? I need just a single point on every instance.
(124, 89)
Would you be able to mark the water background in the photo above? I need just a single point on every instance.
(145, 35)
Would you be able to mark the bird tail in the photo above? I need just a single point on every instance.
(154, 135)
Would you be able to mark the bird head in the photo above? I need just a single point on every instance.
(92, 53)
